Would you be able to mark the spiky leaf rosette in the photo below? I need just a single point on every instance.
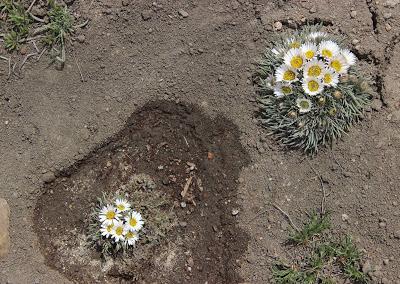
(311, 91)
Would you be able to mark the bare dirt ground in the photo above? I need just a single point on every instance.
(137, 51)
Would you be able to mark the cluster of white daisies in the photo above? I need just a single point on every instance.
(310, 67)
(120, 223)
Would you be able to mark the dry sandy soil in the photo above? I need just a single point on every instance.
(139, 51)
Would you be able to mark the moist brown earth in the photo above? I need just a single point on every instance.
(137, 51)
(170, 143)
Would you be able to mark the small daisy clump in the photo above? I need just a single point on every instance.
(115, 225)
(311, 90)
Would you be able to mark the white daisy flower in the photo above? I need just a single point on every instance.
(106, 230)
(285, 73)
(293, 43)
(282, 89)
(122, 205)
(309, 50)
(294, 58)
(349, 56)
(339, 64)
(313, 69)
(304, 105)
(134, 221)
(108, 215)
(131, 237)
(328, 49)
(312, 86)
(330, 77)
(315, 35)
(118, 231)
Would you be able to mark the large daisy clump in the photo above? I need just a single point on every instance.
(311, 91)
(115, 225)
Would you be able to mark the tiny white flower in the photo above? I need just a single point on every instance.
(285, 73)
(339, 64)
(349, 56)
(312, 86)
(118, 231)
(134, 221)
(122, 205)
(304, 105)
(108, 215)
(330, 77)
(309, 50)
(328, 49)
(315, 35)
(106, 230)
(313, 69)
(131, 237)
(293, 43)
(294, 58)
(282, 89)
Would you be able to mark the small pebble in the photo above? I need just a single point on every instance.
(278, 26)
(388, 27)
(146, 15)
(183, 13)
(313, 10)
(81, 38)
(355, 41)
(345, 217)
(382, 224)
(235, 212)
(183, 204)
(386, 261)
(353, 14)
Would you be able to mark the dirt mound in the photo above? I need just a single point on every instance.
(194, 162)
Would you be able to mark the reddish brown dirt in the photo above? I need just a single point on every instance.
(159, 140)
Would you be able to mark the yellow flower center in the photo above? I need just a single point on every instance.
(314, 71)
(313, 86)
(121, 207)
(309, 54)
(286, 90)
(110, 215)
(119, 231)
(296, 62)
(130, 235)
(289, 75)
(327, 53)
(132, 222)
(295, 44)
(304, 104)
(328, 78)
(335, 64)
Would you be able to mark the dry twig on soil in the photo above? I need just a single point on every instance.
(287, 217)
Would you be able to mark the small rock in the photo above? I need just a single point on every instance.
(355, 41)
(397, 234)
(23, 50)
(182, 224)
(220, 78)
(388, 27)
(183, 13)
(190, 261)
(4, 225)
(395, 203)
(235, 212)
(387, 15)
(382, 224)
(147, 14)
(240, 180)
(183, 204)
(48, 177)
(353, 14)
(386, 261)
(278, 26)
(313, 10)
(125, 2)
(81, 38)
(345, 217)
(376, 105)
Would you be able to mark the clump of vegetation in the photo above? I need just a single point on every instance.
(19, 21)
(115, 222)
(325, 259)
(311, 90)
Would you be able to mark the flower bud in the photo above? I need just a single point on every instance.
(321, 101)
(292, 114)
(332, 111)
(338, 95)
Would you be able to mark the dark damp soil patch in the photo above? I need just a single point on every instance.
(168, 143)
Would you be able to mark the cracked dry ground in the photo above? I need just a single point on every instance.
(207, 59)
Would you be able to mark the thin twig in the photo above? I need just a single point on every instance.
(81, 25)
(25, 59)
(40, 55)
(9, 67)
(79, 68)
(287, 216)
(4, 58)
(37, 18)
(323, 202)
(186, 141)
(31, 6)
